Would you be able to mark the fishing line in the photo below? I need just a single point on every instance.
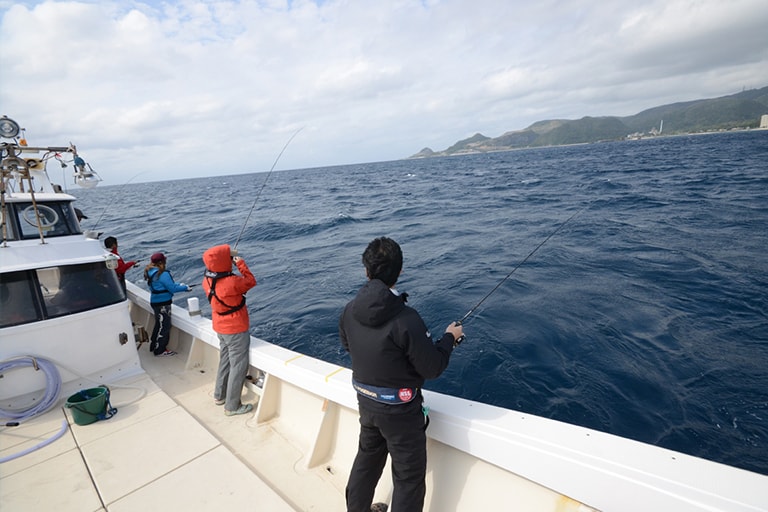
(474, 308)
(264, 185)
(118, 194)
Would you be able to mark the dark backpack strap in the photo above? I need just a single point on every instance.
(155, 278)
(214, 277)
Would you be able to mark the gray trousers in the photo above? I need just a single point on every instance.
(233, 367)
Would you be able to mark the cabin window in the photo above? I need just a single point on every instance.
(52, 292)
(76, 288)
(6, 223)
(56, 219)
(17, 299)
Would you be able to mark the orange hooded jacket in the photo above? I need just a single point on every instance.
(226, 291)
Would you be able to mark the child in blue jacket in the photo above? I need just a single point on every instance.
(162, 287)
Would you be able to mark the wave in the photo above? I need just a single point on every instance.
(644, 316)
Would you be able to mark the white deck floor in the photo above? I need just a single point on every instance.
(170, 448)
(162, 451)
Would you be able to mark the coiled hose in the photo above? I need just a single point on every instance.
(52, 392)
(52, 388)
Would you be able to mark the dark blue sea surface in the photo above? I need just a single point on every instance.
(645, 315)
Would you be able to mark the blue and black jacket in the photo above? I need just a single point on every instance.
(162, 286)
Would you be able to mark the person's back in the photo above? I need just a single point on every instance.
(226, 293)
(392, 354)
(162, 287)
(388, 341)
(225, 290)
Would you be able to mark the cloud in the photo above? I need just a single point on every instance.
(691, 37)
(185, 87)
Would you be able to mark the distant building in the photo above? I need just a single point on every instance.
(764, 121)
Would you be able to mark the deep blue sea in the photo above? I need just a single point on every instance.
(645, 315)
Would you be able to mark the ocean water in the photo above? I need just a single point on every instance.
(645, 315)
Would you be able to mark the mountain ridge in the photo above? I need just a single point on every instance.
(736, 111)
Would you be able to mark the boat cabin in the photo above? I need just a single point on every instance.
(60, 297)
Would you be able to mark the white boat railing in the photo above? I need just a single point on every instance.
(479, 455)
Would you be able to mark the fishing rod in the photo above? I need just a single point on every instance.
(119, 190)
(474, 308)
(264, 185)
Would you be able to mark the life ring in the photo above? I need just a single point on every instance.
(47, 216)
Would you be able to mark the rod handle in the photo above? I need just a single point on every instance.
(461, 338)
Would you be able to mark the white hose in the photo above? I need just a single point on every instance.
(62, 430)
(52, 392)
(54, 365)
(52, 388)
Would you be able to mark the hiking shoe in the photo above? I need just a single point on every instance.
(219, 402)
(244, 409)
(166, 353)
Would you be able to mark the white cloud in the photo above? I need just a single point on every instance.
(183, 87)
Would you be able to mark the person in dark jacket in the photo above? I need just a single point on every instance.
(162, 287)
(392, 355)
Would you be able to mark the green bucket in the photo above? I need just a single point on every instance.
(90, 405)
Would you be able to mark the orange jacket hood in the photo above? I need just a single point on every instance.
(218, 258)
(229, 313)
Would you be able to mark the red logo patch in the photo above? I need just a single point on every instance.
(405, 394)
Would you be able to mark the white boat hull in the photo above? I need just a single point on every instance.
(478, 455)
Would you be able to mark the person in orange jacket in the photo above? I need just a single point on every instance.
(226, 293)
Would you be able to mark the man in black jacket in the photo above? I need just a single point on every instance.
(392, 354)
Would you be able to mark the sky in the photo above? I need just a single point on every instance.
(184, 88)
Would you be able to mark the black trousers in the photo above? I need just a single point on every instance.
(397, 430)
(162, 331)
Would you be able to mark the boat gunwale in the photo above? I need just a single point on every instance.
(570, 460)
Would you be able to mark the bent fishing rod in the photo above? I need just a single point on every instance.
(262, 187)
(498, 285)
(119, 190)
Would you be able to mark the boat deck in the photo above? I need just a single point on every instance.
(163, 450)
(170, 448)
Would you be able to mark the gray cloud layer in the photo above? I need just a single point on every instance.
(190, 88)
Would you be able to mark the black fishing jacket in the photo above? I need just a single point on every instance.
(389, 344)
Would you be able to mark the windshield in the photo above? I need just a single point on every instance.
(32, 295)
(54, 218)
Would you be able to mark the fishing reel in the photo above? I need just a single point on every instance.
(461, 338)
